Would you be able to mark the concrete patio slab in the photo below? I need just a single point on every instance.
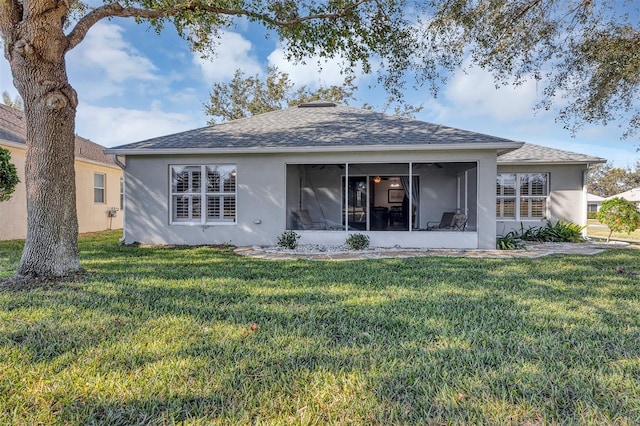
(533, 250)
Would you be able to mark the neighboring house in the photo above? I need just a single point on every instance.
(593, 202)
(632, 195)
(327, 170)
(98, 182)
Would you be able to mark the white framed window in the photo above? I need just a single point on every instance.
(99, 181)
(203, 194)
(522, 196)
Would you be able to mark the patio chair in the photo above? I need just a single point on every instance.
(459, 222)
(446, 222)
(302, 220)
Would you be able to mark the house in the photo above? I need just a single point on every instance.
(632, 195)
(593, 202)
(557, 188)
(327, 170)
(98, 182)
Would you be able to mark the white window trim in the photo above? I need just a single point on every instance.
(202, 221)
(518, 197)
(103, 188)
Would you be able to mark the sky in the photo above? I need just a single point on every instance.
(134, 84)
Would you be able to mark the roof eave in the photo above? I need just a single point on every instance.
(13, 144)
(81, 158)
(318, 149)
(563, 162)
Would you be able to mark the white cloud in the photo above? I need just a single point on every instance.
(116, 126)
(314, 72)
(232, 52)
(105, 50)
(474, 94)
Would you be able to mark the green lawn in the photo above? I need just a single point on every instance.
(162, 336)
(597, 230)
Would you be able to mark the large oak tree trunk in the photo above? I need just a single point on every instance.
(36, 56)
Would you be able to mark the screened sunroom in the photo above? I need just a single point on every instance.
(416, 196)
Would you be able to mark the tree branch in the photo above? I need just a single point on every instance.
(10, 12)
(117, 10)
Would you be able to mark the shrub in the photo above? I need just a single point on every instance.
(560, 232)
(592, 215)
(511, 241)
(288, 239)
(357, 241)
(8, 175)
(619, 215)
(568, 232)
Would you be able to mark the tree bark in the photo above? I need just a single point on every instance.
(36, 51)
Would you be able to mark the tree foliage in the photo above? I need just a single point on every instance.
(605, 180)
(583, 53)
(246, 96)
(8, 175)
(619, 215)
(13, 103)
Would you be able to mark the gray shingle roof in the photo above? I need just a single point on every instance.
(13, 129)
(317, 126)
(532, 154)
(632, 195)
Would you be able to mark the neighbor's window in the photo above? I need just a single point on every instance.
(522, 195)
(203, 194)
(98, 187)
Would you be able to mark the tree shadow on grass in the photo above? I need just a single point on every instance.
(427, 338)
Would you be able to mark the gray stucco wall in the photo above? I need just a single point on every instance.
(261, 210)
(567, 198)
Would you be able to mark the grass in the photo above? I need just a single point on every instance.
(597, 230)
(198, 336)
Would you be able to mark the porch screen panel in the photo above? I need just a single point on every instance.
(313, 196)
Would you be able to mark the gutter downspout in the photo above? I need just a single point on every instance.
(585, 183)
(124, 194)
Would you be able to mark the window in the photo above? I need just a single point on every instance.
(521, 195)
(506, 196)
(98, 188)
(203, 194)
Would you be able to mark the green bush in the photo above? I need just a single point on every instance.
(288, 239)
(511, 241)
(560, 232)
(8, 175)
(357, 241)
(592, 215)
(619, 215)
